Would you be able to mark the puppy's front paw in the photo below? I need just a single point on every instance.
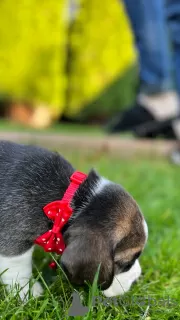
(36, 289)
(123, 281)
(23, 290)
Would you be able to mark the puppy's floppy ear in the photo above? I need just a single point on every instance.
(82, 258)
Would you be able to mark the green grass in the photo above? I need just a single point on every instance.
(155, 184)
(61, 128)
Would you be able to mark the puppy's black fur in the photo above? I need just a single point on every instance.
(30, 178)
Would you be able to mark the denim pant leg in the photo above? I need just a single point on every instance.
(173, 18)
(148, 22)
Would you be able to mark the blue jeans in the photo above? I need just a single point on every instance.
(154, 24)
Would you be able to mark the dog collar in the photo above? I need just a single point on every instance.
(59, 211)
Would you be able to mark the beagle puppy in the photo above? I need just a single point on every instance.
(106, 227)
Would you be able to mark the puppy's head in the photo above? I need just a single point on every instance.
(107, 230)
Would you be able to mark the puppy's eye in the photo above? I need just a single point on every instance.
(137, 255)
(127, 266)
(124, 267)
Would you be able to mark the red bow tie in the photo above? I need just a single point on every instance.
(59, 211)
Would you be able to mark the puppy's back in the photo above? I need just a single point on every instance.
(30, 177)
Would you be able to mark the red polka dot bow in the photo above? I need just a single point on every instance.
(59, 211)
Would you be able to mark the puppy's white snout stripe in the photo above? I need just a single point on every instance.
(122, 282)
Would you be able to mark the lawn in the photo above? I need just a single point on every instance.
(155, 184)
(62, 128)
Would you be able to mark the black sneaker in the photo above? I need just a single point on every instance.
(129, 119)
(141, 123)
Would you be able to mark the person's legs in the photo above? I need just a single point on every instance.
(156, 101)
(149, 27)
(148, 20)
(173, 19)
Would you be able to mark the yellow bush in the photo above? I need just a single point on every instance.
(33, 38)
(101, 44)
(32, 51)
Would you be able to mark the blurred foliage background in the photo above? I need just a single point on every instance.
(65, 58)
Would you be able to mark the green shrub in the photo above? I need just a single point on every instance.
(32, 51)
(102, 51)
(33, 47)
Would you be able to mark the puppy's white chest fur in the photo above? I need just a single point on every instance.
(16, 273)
